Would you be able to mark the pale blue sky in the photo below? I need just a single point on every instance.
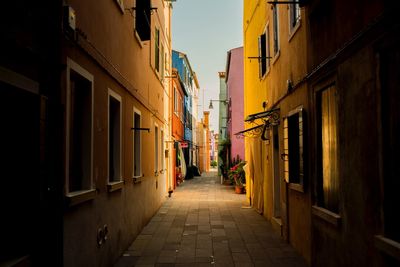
(205, 30)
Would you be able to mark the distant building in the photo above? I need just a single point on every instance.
(177, 104)
(223, 138)
(188, 77)
(235, 92)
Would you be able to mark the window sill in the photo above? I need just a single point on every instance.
(327, 215)
(276, 56)
(78, 197)
(114, 186)
(296, 187)
(138, 39)
(120, 4)
(137, 179)
(294, 30)
(388, 246)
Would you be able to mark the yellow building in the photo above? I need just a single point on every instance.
(275, 108)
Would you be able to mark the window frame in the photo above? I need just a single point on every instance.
(77, 196)
(134, 175)
(318, 209)
(294, 15)
(113, 184)
(143, 34)
(157, 50)
(296, 183)
(275, 22)
(156, 149)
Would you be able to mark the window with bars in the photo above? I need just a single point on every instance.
(293, 137)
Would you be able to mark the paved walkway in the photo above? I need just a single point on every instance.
(205, 224)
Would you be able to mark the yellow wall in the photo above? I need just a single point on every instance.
(289, 63)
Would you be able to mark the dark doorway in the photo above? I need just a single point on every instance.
(19, 167)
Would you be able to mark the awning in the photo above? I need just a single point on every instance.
(250, 132)
(271, 115)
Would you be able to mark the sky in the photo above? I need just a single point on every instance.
(205, 31)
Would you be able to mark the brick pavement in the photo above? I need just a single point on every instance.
(207, 224)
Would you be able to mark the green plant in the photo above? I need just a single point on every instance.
(237, 175)
(214, 163)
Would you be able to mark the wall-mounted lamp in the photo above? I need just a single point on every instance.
(211, 105)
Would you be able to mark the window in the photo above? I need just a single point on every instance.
(79, 128)
(276, 29)
(175, 101)
(114, 137)
(293, 136)
(263, 53)
(162, 151)
(156, 152)
(137, 144)
(328, 175)
(143, 19)
(294, 15)
(157, 50)
(162, 62)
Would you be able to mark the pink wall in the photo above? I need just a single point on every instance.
(234, 82)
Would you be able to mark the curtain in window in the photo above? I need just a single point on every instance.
(330, 176)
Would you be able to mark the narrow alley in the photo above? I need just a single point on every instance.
(205, 223)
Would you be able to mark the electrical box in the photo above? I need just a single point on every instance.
(69, 18)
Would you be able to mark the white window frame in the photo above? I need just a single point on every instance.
(293, 27)
(275, 31)
(117, 97)
(72, 65)
(137, 111)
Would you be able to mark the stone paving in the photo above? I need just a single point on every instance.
(205, 223)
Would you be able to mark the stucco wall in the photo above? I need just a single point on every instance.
(235, 96)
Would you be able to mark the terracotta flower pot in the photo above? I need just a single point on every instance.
(239, 189)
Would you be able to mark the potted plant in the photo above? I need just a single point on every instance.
(237, 176)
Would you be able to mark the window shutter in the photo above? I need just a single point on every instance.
(259, 55)
(285, 156)
(143, 19)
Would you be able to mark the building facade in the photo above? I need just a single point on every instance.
(181, 62)
(234, 85)
(276, 100)
(177, 104)
(224, 142)
(91, 76)
(318, 77)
